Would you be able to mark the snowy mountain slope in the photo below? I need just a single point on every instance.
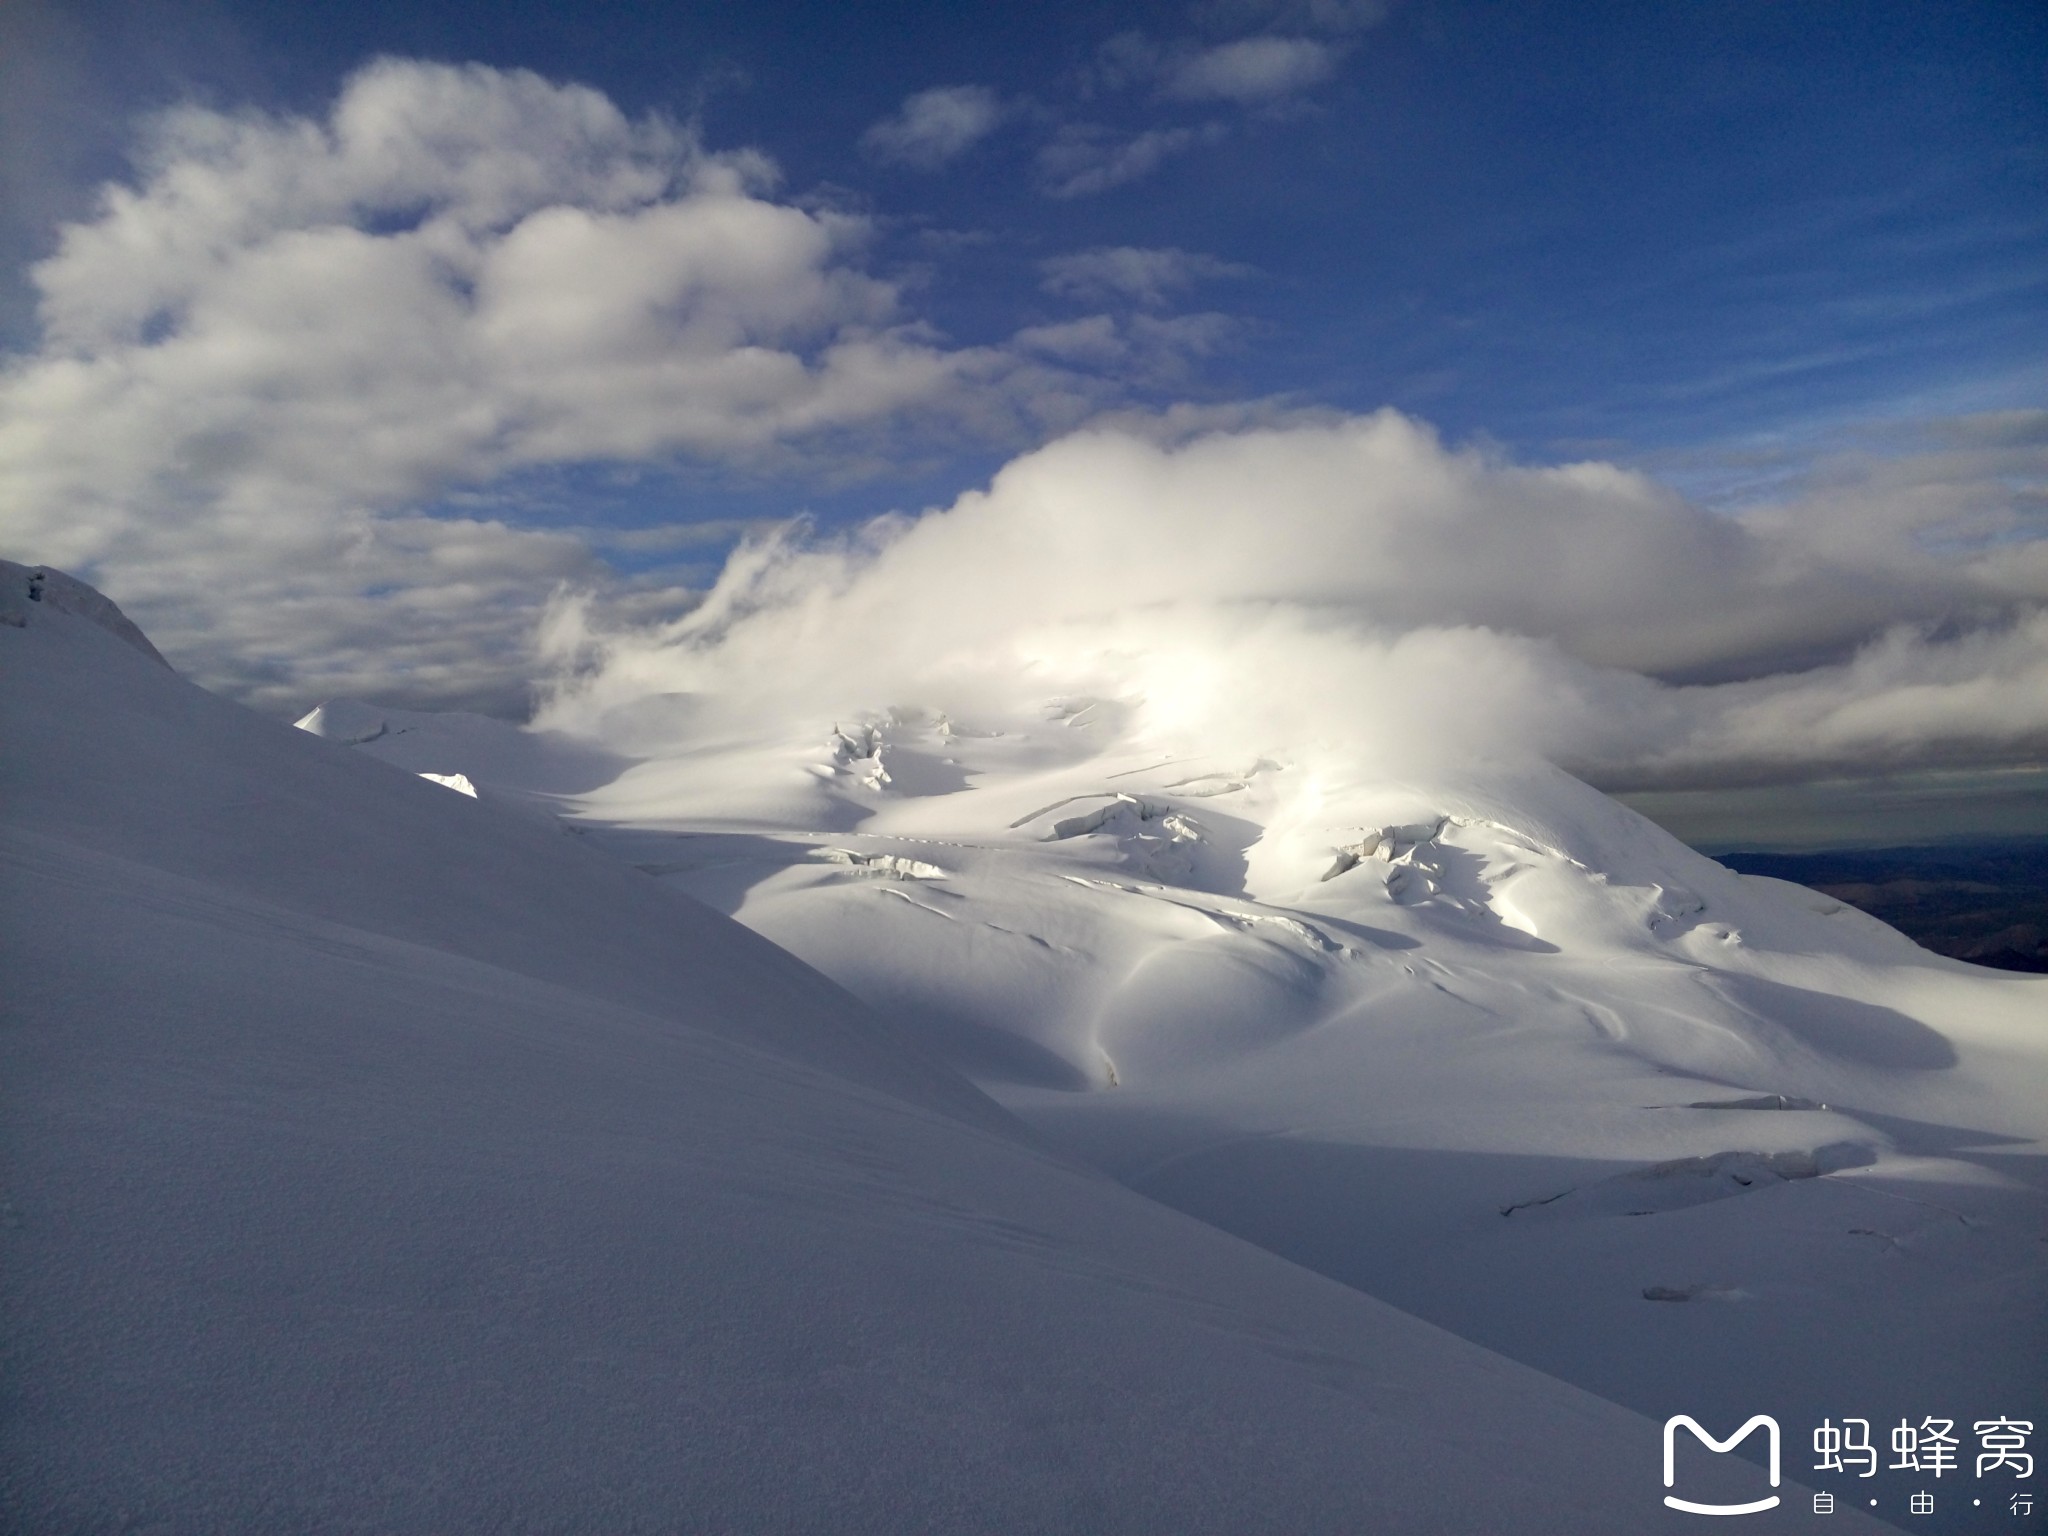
(378, 1162)
(118, 757)
(1469, 1036)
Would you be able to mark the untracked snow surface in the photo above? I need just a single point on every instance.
(379, 1158)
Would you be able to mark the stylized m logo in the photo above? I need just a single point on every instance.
(1671, 1462)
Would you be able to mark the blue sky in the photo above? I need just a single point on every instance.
(1789, 261)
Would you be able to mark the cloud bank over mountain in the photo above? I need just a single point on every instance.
(1357, 583)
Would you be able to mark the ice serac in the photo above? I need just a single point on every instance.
(380, 1160)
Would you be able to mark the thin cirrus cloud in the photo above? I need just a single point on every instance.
(263, 357)
(1144, 275)
(1261, 72)
(1247, 71)
(1251, 71)
(1330, 16)
(934, 128)
(1158, 350)
(1083, 159)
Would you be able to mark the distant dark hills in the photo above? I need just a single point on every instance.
(1984, 902)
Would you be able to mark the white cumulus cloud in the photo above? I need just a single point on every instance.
(265, 355)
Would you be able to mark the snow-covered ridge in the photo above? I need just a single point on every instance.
(23, 588)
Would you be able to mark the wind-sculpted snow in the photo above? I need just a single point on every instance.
(382, 1159)
(1688, 1181)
